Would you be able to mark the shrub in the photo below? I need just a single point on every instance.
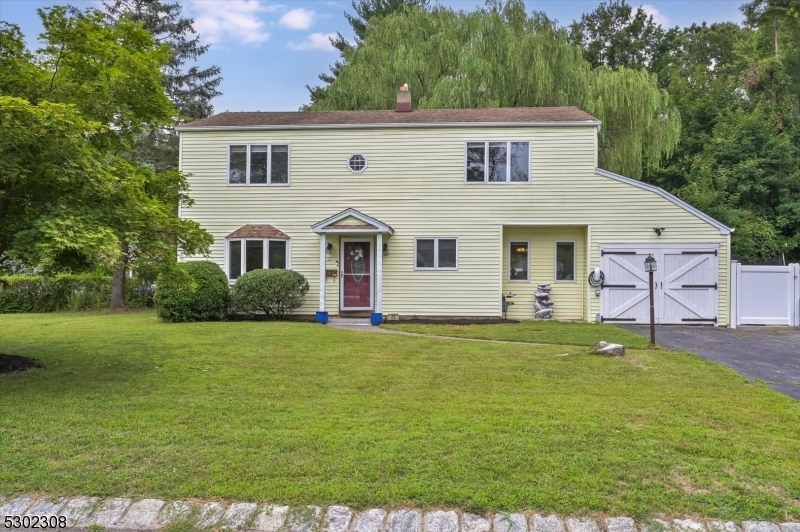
(36, 293)
(195, 291)
(274, 292)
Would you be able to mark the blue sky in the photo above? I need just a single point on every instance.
(269, 50)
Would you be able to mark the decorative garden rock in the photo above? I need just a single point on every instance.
(543, 307)
(604, 348)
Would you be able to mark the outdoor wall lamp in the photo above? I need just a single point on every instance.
(386, 250)
(329, 249)
(658, 230)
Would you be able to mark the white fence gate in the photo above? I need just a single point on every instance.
(765, 295)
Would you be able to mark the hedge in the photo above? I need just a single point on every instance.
(36, 293)
(196, 291)
(275, 293)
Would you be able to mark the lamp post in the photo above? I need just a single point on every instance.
(650, 266)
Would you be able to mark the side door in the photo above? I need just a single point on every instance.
(688, 285)
(626, 290)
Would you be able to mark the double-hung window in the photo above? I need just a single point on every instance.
(498, 162)
(258, 164)
(565, 262)
(519, 261)
(248, 254)
(436, 253)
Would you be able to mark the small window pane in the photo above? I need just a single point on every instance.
(234, 259)
(277, 254)
(258, 164)
(565, 261)
(237, 172)
(520, 153)
(254, 255)
(498, 161)
(425, 253)
(447, 253)
(357, 163)
(280, 164)
(476, 153)
(518, 261)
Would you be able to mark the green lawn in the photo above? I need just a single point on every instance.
(548, 332)
(301, 413)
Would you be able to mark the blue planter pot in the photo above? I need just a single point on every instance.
(322, 317)
(376, 318)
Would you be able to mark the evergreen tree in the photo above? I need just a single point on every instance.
(190, 88)
(365, 10)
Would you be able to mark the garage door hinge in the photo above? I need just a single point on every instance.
(714, 286)
(714, 319)
(699, 252)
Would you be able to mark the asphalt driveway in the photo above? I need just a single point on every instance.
(770, 354)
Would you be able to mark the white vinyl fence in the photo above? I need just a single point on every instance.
(765, 295)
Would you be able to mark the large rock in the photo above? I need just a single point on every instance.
(604, 348)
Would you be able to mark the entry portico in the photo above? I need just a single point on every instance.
(360, 267)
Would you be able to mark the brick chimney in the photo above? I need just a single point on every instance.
(404, 99)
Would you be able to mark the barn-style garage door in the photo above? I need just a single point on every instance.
(685, 284)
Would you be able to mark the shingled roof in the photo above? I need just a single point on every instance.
(258, 231)
(506, 115)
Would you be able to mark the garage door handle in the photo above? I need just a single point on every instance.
(714, 286)
(619, 286)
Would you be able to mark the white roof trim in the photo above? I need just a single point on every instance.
(380, 227)
(393, 125)
(723, 229)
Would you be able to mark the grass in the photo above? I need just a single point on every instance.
(548, 332)
(300, 413)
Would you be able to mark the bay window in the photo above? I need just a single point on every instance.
(248, 254)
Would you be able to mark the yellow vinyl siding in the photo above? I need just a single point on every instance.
(568, 296)
(415, 184)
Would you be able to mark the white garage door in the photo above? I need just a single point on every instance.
(685, 283)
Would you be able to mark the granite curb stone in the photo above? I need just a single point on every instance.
(173, 511)
(790, 527)
(723, 526)
(405, 521)
(577, 524)
(210, 514)
(142, 514)
(546, 523)
(510, 523)
(271, 518)
(370, 521)
(47, 506)
(238, 515)
(16, 506)
(621, 524)
(107, 513)
(475, 523)
(303, 518)
(440, 521)
(338, 519)
(759, 526)
(78, 509)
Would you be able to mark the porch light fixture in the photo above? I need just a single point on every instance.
(650, 264)
(385, 250)
(329, 249)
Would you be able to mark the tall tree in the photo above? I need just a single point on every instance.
(501, 57)
(615, 35)
(189, 87)
(69, 197)
(365, 10)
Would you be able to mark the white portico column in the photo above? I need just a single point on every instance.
(379, 272)
(322, 255)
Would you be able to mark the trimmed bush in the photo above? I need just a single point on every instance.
(275, 293)
(36, 293)
(195, 291)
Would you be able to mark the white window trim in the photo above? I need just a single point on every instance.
(366, 162)
(436, 253)
(508, 163)
(574, 261)
(269, 182)
(264, 242)
(528, 270)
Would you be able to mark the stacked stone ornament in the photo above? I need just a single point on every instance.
(543, 306)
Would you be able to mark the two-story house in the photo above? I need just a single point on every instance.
(440, 212)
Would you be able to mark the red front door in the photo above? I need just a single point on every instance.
(357, 276)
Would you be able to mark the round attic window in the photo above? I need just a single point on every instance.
(357, 163)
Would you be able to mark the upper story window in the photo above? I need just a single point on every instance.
(498, 162)
(258, 164)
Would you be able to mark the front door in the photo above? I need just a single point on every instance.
(357, 288)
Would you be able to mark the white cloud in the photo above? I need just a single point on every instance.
(232, 20)
(298, 19)
(315, 41)
(658, 17)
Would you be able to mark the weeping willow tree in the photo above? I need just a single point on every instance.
(502, 57)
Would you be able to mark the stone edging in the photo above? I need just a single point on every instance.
(153, 514)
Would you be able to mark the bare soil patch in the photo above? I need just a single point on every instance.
(12, 363)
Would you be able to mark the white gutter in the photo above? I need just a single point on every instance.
(391, 125)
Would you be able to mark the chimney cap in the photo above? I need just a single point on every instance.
(404, 87)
